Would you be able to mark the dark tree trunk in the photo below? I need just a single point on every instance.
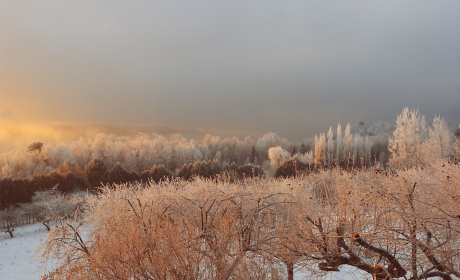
(10, 231)
(46, 223)
(290, 270)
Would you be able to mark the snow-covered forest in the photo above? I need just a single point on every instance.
(142, 152)
(382, 198)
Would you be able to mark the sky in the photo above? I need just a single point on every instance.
(229, 68)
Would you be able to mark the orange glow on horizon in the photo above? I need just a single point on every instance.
(15, 135)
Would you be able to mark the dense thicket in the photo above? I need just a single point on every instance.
(223, 209)
(400, 225)
(144, 151)
(107, 159)
(16, 191)
(22, 190)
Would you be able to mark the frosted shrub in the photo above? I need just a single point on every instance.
(52, 206)
(394, 225)
(175, 230)
(291, 168)
(277, 156)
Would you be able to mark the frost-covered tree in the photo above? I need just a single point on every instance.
(277, 156)
(218, 156)
(51, 205)
(35, 147)
(139, 233)
(368, 144)
(457, 132)
(320, 149)
(406, 144)
(266, 142)
(9, 220)
(348, 144)
(197, 155)
(357, 149)
(119, 175)
(38, 160)
(96, 173)
(339, 144)
(439, 145)
(399, 226)
(457, 144)
(309, 158)
(330, 146)
(82, 152)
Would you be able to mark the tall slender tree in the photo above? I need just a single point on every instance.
(320, 147)
(406, 144)
(339, 144)
(440, 142)
(348, 142)
(330, 146)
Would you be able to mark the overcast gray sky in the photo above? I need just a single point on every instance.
(227, 67)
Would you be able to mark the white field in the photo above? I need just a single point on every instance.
(18, 260)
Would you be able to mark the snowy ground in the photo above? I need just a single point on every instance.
(18, 260)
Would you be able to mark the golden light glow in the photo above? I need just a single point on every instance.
(21, 134)
(15, 135)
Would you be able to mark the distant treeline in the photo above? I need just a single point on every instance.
(70, 178)
(145, 150)
(87, 163)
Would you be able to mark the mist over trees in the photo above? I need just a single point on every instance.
(87, 164)
(381, 198)
(142, 152)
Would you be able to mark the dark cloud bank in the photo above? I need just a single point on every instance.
(292, 67)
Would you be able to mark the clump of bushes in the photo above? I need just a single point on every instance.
(291, 168)
(157, 173)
